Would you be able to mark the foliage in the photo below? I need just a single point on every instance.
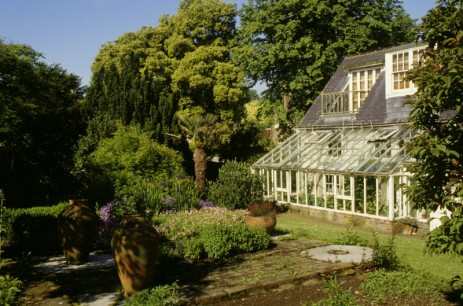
(225, 240)
(295, 46)
(183, 66)
(203, 133)
(211, 232)
(10, 288)
(33, 230)
(408, 248)
(446, 239)
(351, 237)
(177, 194)
(236, 187)
(385, 256)
(40, 122)
(262, 209)
(384, 287)
(336, 295)
(436, 115)
(159, 295)
(436, 110)
(130, 156)
(176, 226)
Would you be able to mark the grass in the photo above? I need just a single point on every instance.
(410, 249)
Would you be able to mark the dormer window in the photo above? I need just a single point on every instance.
(397, 65)
(356, 90)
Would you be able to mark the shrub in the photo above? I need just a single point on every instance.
(178, 193)
(127, 156)
(10, 287)
(33, 230)
(159, 295)
(224, 240)
(212, 232)
(385, 256)
(176, 226)
(236, 186)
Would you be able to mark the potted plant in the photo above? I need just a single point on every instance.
(262, 214)
(410, 225)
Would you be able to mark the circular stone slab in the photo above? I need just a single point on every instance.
(339, 253)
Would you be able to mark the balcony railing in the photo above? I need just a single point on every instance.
(339, 102)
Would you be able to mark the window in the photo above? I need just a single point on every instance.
(329, 180)
(399, 63)
(362, 82)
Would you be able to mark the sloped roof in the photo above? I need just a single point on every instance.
(376, 109)
(360, 151)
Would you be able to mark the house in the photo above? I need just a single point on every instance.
(347, 157)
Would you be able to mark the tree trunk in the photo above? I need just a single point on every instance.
(200, 159)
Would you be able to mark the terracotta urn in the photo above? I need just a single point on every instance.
(135, 245)
(77, 225)
(266, 222)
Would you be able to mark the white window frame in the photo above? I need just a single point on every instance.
(390, 91)
(376, 71)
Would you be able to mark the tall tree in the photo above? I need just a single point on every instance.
(40, 121)
(183, 67)
(294, 46)
(437, 117)
(131, 82)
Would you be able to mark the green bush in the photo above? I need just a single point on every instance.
(128, 156)
(223, 240)
(10, 287)
(176, 226)
(178, 194)
(212, 232)
(159, 296)
(236, 186)
(33, 230)
(385, 256)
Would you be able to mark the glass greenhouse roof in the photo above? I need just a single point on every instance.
(363, 150)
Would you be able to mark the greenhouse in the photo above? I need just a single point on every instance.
(348, 154)
(357, 170)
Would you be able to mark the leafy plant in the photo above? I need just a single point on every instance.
(336, 295)
(224, 240)
(160, 295)
(10, 287)
(385, 255)
(236, 186)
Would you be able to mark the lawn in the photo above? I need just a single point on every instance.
(410, 249)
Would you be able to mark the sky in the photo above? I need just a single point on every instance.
(71, 32)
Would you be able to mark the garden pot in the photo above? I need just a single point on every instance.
(77, 225)
(266, 222)
(135, 245)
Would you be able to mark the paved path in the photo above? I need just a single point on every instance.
(289, 263)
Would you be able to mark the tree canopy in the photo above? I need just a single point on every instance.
(184, 64)
(294, 46)
(40, 121)
(437, 118)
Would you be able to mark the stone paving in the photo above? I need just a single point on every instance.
(209, 283)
